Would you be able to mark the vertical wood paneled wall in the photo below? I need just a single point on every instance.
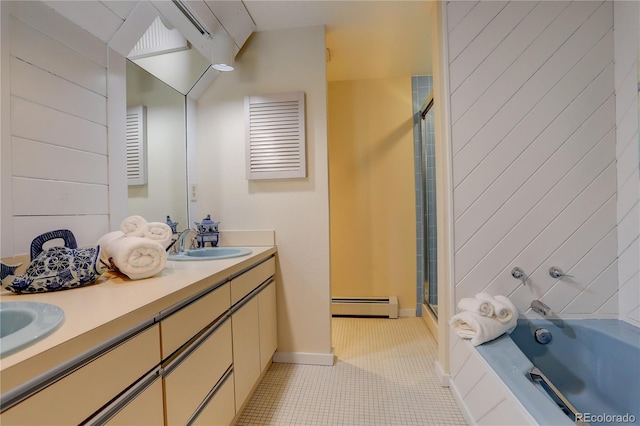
(627, 26)
(533, 114)
(58, 127)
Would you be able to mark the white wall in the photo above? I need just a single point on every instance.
(627, 25)
(545, 165)
(534, 151)
(54, 132)
(297, 209)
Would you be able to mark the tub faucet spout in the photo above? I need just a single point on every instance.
(539, 307)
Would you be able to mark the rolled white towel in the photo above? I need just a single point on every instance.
(504, 309)
(477, 306)
(133, 226)
(158, 232)
(105, 244)
(135, 257)
(478, 328)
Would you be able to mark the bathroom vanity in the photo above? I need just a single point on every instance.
(185, 347)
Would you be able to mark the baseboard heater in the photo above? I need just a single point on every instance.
(365, 306)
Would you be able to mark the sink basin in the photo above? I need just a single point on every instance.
(210, 253)
(24, 323)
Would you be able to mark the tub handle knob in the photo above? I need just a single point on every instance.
(556, 272)
(519, 274)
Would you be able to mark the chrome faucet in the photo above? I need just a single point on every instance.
(179, 245)
(539, 307)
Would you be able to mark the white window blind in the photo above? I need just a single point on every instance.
(136, 145)
(275, 136)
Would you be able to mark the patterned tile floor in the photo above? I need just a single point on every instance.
(384, 375)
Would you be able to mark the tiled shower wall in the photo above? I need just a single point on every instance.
(422, 86)
(534, 151)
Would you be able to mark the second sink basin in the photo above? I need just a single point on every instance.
(24, 323)
(210, 253)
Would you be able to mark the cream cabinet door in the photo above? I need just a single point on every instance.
(187, 322)
(77, 396)
(246, 350)
(220, 411)
(145, 409)
(245, 283)
(268, 324)
(191, 381)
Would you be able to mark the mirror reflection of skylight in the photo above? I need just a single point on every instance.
(158, 40)
(164, 52)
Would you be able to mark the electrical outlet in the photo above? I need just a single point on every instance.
(193, 192)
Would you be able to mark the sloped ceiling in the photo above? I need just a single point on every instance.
(365, 39)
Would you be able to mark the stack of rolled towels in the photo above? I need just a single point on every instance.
(484, 317)
(138, 249)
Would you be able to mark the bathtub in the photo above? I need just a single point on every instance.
(595, 364)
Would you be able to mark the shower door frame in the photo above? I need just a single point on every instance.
(429, 259)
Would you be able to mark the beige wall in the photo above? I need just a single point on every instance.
(372, 190)
(297, 209)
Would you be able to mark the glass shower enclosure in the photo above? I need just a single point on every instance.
(429, 228)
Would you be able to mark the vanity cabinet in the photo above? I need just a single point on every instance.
(196, 373)
(253, 319)
(246, 350)
(195, 362)
(268, 323)
(78, 395)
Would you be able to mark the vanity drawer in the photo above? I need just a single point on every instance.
(193, 378)
(243, 284)
(220, 410)
(145, 410)
(75, 397)
(181, 326)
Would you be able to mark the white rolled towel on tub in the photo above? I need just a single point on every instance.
(134, 226)
(135, 257)
(477, 306)
(504, 309)
(479, 328)
(158, 232)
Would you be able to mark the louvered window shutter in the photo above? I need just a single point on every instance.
(136, 145)
(275, 136)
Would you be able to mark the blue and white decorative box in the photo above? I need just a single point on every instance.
(207, 232)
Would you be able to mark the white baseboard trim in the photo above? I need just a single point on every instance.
(304, 358)
(406, 313)
(442, 376)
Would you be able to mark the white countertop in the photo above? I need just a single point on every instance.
(113, 305)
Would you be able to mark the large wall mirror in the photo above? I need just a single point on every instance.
(161, 70)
